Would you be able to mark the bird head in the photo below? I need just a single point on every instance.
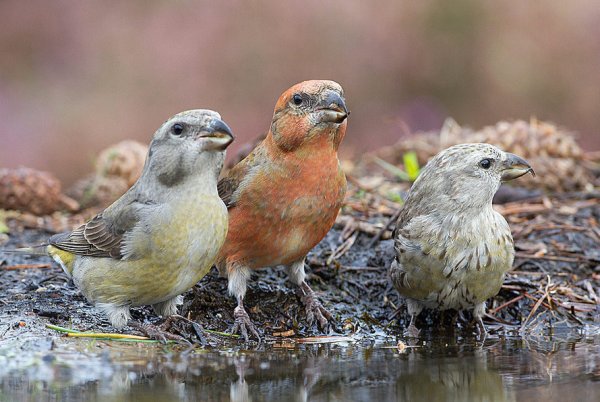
(309, 112)
(468, 175)
(188, 144)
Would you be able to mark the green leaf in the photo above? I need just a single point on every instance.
(395, 197)
(3, 227)
(411, 165)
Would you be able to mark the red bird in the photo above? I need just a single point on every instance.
(285, 195)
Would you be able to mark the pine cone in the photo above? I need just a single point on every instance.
(125, 159)
(530, 140)
(30, 190)
(117, 169)
(98, 191)
(552, 152)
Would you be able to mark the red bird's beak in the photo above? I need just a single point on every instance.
(332, 109)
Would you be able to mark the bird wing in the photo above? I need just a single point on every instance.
(417, 265)
(103, 235)
(228, 186)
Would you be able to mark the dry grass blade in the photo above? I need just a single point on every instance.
(540, 302)
(504, 305)
(26, 266)
(533, 310)
(325, 339)
(387, 226)
(548, 257)
(343, 248)
(107, 335)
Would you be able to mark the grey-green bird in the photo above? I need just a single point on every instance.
(163, 235)
(452, 249)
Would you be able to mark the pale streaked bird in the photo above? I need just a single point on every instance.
(163, 235)
(452, 248)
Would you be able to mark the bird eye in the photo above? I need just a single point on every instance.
(485, 163)
(297, 99)
(177, 129)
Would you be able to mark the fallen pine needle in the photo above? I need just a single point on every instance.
(539, 302)
(508, 303)
(530, 297)
(61, 329)
(324, 339)
(547, 257)
(26, 266)
(102, 335)
(533, 310)
(210, 331)
(284, 334)
(107, 335)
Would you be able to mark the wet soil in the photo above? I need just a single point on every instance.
(544, 324)
(556, 279)
(355, 294)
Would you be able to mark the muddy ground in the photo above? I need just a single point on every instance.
(555, 285)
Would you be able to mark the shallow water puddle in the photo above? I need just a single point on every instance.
(435, 369)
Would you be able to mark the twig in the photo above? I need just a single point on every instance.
(389, 223)
(591, 292)
(513, 287)
(530, 297)
(210, 331)
(497, 319)
(26, 266)
(357, 183)
(343, 248)
(508, 303)
(533, 310)
(361, 226)
(508, 209)
(549, 257)
(345, 268)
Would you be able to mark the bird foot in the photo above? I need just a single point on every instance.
(481, 331)
(159, 332)
(454, 321)
(243, 324)
(315, 310)
(412, 331)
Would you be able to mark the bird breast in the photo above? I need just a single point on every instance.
(456, 261)
(176, 249)
(290, 209)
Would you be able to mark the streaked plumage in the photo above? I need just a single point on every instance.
(452, 249)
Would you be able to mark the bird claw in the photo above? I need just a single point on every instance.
(315, 310)
(243, 324)
(481, 331)
(412, 331)
(159, 332)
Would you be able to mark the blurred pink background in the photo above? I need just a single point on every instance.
(77, 76)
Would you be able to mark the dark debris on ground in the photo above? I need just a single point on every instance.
(555, 282)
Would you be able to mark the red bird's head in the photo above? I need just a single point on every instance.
(311, 112)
